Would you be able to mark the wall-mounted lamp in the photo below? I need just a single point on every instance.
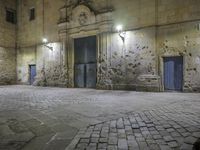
(122, 33)
(45, 41)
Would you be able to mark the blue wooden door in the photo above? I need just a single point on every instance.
(173, 73)
(32, 73)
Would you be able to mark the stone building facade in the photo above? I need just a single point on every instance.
(134, 59)
(7, 44)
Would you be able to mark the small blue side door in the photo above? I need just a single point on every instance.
(173, 73)
(32, 73)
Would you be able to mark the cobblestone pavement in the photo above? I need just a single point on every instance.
(36, 118)
(175, 126)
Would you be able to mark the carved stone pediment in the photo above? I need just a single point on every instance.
(80, 18)
(82, 15)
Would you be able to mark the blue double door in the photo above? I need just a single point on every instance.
(32, 70)
(173, 73)
(85, 74)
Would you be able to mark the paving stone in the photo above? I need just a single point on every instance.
(154, 147)
(102, 145)
(120, 124)
(168, 138)
(135, 126)
(161, 142)
(157, 136)
(175, 134)
(190, 140)
(112, 140)
(92, 146)
(164, 147)
(103, 140)
(112, 147)
(196, 134)
(186, 147)
(140, 139)
(170, 130)
(121, 133)
(142, 124)
(84, 140)
(95, 135)
(122, 144)
(143, 145)
(173, 144)
(94, 140)
(133, 143)
(186, 134)
(82, 145)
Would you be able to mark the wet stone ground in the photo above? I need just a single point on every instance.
(36, 118)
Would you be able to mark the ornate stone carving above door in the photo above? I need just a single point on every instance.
(82, 15)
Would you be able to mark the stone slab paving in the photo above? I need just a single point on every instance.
(38, 118)
(171, 127)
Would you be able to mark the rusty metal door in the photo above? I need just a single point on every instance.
(85, 62)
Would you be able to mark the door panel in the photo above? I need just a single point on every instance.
(32, 73)
(179, 74)
(91, 75)
(173, 73)
(169, 74)
(85, 50)
(85, 62)
(80, 75)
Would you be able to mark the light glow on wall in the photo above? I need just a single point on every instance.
(45, 40)
(119, 28)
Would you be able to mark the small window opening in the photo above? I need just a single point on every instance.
(32, 14)
(11, 16)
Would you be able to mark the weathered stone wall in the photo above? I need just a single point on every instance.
(7, 45)
(182, 40)
(130, 64)
(154, 29)
(49, 65)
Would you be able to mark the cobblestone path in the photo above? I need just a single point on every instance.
(169, 127)
(38, 118)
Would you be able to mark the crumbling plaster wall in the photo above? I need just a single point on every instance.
(182, 40)
(49, 63)
(154, 29)
(178, 35)
(7, 45)
(130, 64)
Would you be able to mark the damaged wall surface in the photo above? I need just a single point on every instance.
(7, 45)
(154, 30)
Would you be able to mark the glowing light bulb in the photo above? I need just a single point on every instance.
(44, 40)
(119, 28)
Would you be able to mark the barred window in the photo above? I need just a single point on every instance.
(11, 16)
